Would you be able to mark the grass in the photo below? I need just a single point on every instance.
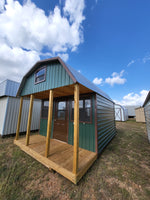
(122, 172)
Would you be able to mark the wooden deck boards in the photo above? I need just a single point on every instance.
(60, 158)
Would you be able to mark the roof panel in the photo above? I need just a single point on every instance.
(9, 88)
(84, 81)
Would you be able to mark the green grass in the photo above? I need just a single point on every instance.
(122, 172)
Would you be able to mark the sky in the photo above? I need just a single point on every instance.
(106, 41)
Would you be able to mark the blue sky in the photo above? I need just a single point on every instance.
(107, 41)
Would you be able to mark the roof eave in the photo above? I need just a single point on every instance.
(146, 100)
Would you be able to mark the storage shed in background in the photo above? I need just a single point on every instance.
(9, 109)
(140, 115)
(131, 111)
(77, 116)
(121, 113)
(146, 106)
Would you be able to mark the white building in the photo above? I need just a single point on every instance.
(9, 109)
(121, 113)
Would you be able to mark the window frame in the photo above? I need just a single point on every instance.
(84, 98)
(43, 67)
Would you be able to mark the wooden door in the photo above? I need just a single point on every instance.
(60, 131)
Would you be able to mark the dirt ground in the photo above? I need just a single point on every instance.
(122, 171)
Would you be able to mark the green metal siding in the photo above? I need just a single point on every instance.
(43, 124)
(106, 128)
(147, 118)
(56, 76)
(86, 131)
(43, 127)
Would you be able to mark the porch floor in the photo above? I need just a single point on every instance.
(60, 158)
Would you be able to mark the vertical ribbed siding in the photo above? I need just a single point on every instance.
(3, 88)
(3, 106)
(147, 118)
(56, 76)
(43, 124)
(106, 129)
(9, 88)
(86, 131)
(12, 112)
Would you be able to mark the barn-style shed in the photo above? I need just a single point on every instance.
(9, 109)
(146, 106)
(121, 113)
(77, 118)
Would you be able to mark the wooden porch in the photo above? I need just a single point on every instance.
(60, 156)
(70, 161)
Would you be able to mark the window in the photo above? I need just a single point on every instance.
(84, 110)
(45, 105)
(40, 75)
(61, 110)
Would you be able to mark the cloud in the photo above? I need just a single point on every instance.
(74, 10)
(146, 58)
(26, 30)
(64, 56)
(97, 81)
(130, 63)
(2, 3)
(133, 98)
(15, 61)
(116, 78)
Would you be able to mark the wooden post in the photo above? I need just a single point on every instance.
(76, 129)
(49, 123)
(19, 119)
(29, 119)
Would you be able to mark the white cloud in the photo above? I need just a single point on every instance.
(97, 81)
(64, 56)
(116, 78)
(25, 29)
(146, 58)
(2, 3)
(130, 63)
(133, 98)
(74, 9)
(15, 62)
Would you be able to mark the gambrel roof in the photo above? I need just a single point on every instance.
(74, 75)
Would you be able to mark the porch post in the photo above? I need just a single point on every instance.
(29, 119)
(19, 119)
(49, 122)
(76, 129)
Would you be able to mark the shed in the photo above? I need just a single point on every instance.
(140, 115)
(121, 113)
(131, 110)
(77, 118)
(9, 109)
(146, 106)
